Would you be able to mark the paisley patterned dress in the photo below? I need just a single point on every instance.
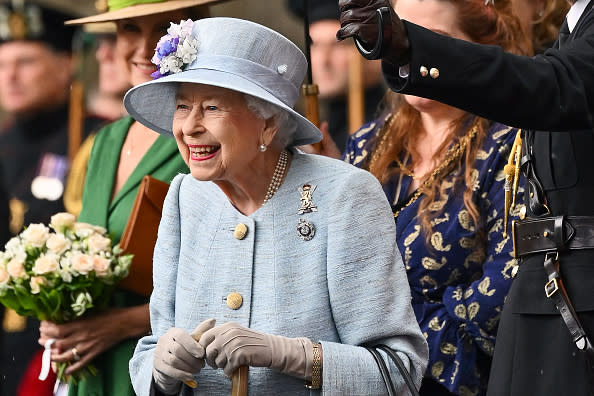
(457, 292)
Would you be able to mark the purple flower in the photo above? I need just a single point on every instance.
(157, 74)
(175, 50)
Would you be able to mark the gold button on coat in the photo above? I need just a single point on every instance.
(434, 73)
(423, 71)
(240, 231)
(234, 300)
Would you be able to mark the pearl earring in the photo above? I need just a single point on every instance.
(263, 147)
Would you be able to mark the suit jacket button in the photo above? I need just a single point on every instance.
(423, 71)
(240, 231)
(434, 72)
(234, 300)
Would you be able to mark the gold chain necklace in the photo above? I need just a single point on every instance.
(277, 176)
(453, 154)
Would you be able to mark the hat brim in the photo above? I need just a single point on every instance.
(153, 103)
(141, 10)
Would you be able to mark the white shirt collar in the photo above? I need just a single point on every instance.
(575, 12)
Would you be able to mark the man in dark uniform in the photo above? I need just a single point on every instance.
(538, 351)
(36, 70)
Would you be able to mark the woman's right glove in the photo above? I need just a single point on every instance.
(177, 357)
(359, 19)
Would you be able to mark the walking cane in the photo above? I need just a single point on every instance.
(239, 378)
(310, 90)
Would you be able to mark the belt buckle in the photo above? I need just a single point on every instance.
(551, 287)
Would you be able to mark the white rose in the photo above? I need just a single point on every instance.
(13, 245)
(4, 277)
(83, 230)
(62, 220)
(98, 243)
(101, 266)
(82, 263)
(58, 243)
(35, 283)
(36, 235)
(46, 263)
(16, 268)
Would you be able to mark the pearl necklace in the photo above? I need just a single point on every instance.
(277, 176)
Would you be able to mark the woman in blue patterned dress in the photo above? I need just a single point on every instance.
(442, 170)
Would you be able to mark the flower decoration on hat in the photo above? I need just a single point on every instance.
(176, 50)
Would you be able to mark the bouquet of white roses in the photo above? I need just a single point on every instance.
(61, 272)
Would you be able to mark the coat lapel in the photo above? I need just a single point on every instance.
(159, 153)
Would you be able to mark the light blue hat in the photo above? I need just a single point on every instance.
(231, 53)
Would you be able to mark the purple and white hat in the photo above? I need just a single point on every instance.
(225, 52)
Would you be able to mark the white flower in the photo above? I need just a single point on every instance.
(187, 50)
(4, 276)
(171, 63)
(101, 266)
(84, 230)
(65, 270)
(82, 263)
(16, 268)
(82, 303)
(58, 243)
(35, 283)
(14, 245)
(62, 220)
(183, 29)
(46, 263)
(98, 243)
(36, 235)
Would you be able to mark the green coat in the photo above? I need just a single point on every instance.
(161, 161)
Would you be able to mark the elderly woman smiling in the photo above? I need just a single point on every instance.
(283, 261)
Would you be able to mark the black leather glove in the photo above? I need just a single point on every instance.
(359, 19)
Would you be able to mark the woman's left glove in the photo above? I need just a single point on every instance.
(230, 346)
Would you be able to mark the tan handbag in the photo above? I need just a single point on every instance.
(140, 234)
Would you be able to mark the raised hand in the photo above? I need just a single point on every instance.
(359, 19)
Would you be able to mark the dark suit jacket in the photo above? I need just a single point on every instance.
(552, 91)
(555, 92)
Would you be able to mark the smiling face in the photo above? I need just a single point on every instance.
(441, 16)
(217, 135)
(136, 42)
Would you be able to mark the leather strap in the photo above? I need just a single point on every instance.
(554, 233)
(555, 290)
(535, 199)
(383, 370)
(403, 371)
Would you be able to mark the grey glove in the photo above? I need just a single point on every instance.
(178, 357)
(230, 346)
(359, 19)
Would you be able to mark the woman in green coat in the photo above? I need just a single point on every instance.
(122, 153)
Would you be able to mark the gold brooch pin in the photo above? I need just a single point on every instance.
(307, 205)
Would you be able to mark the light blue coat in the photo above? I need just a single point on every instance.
(344, 287)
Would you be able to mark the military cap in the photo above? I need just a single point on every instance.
(31, 21)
